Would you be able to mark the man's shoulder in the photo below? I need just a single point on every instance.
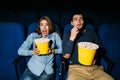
(68, 32)
(90, 31)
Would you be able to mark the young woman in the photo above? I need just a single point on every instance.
(40, 67)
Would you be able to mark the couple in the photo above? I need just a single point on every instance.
(41, 67)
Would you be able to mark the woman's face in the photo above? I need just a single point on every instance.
(44, 28)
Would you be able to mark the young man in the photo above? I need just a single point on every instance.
(77, 34)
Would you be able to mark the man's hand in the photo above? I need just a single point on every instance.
(74, 32)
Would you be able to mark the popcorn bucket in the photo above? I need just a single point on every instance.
(42, 45)
(86, 52)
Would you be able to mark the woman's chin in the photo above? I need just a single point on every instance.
(44, 35)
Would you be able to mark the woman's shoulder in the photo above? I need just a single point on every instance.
(33, 34)
(55, 33)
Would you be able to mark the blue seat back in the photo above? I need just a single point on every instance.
(110, 36)
(32, 27)
(12, 36)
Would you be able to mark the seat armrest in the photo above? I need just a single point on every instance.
(17, 60)
(110, 64)
(20, 65)
(65, 66)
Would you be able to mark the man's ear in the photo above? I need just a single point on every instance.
(71, 23)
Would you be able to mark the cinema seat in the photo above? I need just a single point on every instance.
(110, 36)
(57, 58)
(11, 38)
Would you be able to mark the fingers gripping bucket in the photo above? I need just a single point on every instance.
(42, 45)
(86, 52)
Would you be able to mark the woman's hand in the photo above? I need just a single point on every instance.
(35, 51)
(51, 51)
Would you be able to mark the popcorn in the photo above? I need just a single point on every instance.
(88, 45)
(42, 45)
(41, 40)
(86, 52)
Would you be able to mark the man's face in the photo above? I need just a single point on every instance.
(77, 21)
